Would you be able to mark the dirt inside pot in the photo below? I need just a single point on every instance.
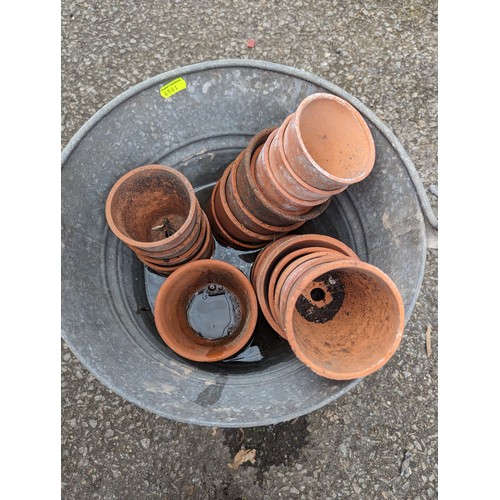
(322, 299)
(151, 206)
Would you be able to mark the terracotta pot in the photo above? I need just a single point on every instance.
(269, 185)
(221, 234)
(286, 176)
(270, 256)
(239, 210)
(328, 143)
(197, 319)
(145, 199)
(359, 333)
(252, 196)
(227, 219)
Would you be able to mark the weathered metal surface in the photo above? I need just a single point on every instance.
(199, 131)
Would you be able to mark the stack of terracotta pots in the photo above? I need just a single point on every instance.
(343, 318)
(287, 175)
(154, 211)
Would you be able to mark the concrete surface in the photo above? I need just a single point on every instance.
(380, 439)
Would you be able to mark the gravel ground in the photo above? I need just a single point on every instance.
(380, 439)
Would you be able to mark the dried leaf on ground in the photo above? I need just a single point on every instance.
(241, 457)
(428, 340)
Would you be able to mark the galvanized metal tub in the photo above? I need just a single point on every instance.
(108, 296)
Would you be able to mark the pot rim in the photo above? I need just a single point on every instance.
(221, 194)
(370, 161)
(281, 149)
(191, 252)
(246, 165)
(314, 212)
(221, 233)
(208, 246)
(172, 240)
(238, 201)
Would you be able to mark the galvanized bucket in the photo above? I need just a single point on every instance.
(197, 119)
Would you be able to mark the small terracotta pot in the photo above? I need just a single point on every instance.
(185, 305)
(255, 201)
(269, 185)
(144, 199)
(286, 176)
(244, 216)
(328, 143)
(270, 256)
(221, 234)
(358, 332)
(227, 219)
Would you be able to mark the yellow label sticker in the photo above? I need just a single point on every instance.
(172, 87)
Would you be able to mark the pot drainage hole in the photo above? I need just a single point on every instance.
(214, 312)
(318, 294)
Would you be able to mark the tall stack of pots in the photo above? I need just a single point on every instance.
(154, 211)
(287, 175)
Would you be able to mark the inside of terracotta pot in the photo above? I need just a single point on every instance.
(151, 206)
(346, 321)
(204, 312)
(334, 138)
